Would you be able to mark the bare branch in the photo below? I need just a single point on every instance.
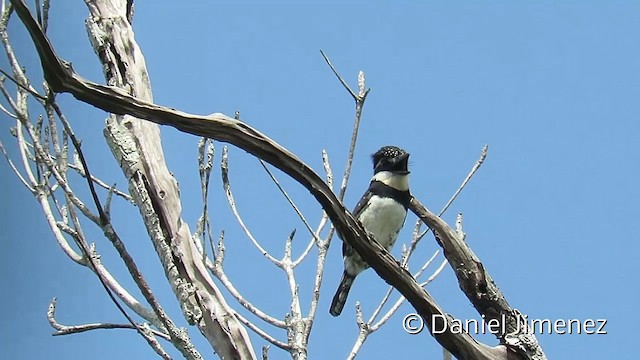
(363, 332)
(315, 238)
(85, 167)
(327, 168)
(435, 273)
(5, 93)
(22, 147)
(263, 333)
(359, 99)
(153, 342)
(15, 170)
(344, 83)
(219, 257)
(205, 165)
(94, 261)
(46, 4)
(53, 225)
(474, 169)
(66, 329)
(220, 275)
(478, 285)
(224, 165)
(101, 183)
(289, 200)
(147, 332)
(396, 306)
(476, 166)
(42, 157)
(28, 89)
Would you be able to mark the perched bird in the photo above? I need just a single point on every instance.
(381, 210)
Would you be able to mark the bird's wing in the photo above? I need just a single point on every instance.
(362, 204)
(360, 207)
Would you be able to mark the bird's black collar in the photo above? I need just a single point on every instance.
(383, 190)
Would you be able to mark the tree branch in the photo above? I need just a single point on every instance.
(477, 284)
(148, 333)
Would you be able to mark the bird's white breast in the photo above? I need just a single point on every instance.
(396, 181)
(383, 218)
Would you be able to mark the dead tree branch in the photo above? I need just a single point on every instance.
(478, 286)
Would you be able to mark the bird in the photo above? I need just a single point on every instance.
(382, 211)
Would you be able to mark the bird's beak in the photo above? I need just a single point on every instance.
(401, 164)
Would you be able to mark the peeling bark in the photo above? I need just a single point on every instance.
(137, 147)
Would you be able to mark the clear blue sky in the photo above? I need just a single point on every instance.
(552, 87)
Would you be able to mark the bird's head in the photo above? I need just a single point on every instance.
(391, 167)
(392, 159)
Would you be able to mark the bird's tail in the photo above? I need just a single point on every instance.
(340, 297)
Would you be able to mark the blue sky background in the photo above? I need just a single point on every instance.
(552, 88)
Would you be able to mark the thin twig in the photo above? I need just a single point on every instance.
(147, 332)
(93, 260)
(262, 333)
(38, 12)
(474, 169)
(344, 83)
(101, 183)
(28, 89)
(205, 165)
(222, 276)
(227, 189)
(15, 169)
(435, 273)
(5, 110)
(359, 99)
(46, 4)
(74, 329)
(76, 144)
(289, 200)
(315, 238)
(43, 157)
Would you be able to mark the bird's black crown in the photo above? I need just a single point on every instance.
(391, 158)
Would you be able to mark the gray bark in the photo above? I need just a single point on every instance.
(137, 147)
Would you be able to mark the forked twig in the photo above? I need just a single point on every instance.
(315, 237)
(224, 166)
(474, 169)
(74, 329)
